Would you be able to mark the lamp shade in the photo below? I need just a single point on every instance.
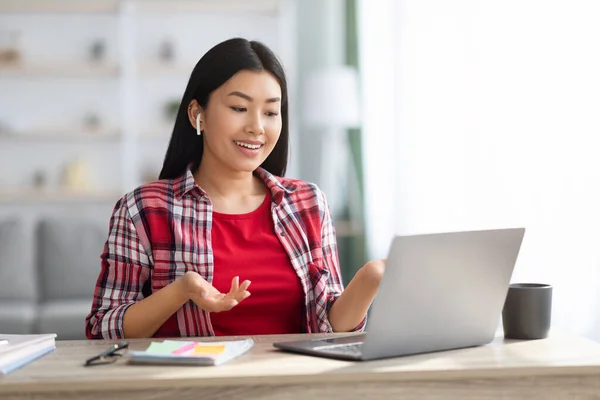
(331, 98)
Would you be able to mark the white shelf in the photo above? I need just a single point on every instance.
(31, 195)
(166, 135)
(60, 70)
(145, 69)
(62, 135)
(153, 68)
(208, 6)
(144, 6)
(58, 6)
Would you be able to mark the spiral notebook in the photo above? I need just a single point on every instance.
(191, 352)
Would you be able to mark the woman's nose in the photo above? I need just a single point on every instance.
(255, 125)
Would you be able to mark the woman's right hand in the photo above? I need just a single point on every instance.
(205, 296)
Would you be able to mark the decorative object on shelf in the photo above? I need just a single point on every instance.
(39, 179)
(10, 53)
(4, 128)
(171, 108)
(166, 51)
(92, 121)
(76, 176)
(98, 50)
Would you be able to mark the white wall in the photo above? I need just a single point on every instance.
(496, 124)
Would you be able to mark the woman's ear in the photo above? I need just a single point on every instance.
(195, 116)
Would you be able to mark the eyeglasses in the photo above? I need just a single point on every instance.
(107, 357)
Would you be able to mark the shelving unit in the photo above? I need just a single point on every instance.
(127, 90)
(208, 6)
(28, 196)
(154, 69)
(24, 70)
(61, 135)
(156, 6)
(59, 6)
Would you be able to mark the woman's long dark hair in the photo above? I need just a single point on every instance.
(218, 65)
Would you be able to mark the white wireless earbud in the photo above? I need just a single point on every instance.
(198, 131)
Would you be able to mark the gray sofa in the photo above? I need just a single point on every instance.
(50, 290)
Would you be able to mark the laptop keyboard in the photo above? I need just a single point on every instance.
(349, 349)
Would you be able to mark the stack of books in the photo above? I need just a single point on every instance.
(19, 350)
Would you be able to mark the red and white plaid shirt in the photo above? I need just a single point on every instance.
(162, 229)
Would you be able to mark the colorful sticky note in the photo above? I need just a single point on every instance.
(185, 349)
(166, 347)
(205, 349)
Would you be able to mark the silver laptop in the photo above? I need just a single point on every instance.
(439, 292)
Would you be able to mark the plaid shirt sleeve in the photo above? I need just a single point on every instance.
(125, 268)
(330, 258)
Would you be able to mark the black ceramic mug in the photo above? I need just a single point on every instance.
(527, 311)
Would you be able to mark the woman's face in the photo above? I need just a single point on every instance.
(242, 121)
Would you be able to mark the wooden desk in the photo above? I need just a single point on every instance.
(559, 367)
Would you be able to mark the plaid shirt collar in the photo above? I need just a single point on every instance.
(278, 187)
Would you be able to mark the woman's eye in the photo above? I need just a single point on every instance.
(272, 114)
(238, 109)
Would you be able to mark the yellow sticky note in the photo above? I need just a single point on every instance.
(208, 349)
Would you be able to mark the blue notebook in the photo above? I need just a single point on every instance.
(7, 369)
(17, 351)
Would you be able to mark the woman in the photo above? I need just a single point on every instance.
(221, 210)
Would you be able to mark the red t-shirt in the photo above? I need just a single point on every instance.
(246, 245)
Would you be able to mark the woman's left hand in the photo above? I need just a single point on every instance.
(372, 272)
(351, 307)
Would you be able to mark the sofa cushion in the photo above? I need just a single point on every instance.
(17, 317)
(66, 318)
(69, 258)
(18, 279)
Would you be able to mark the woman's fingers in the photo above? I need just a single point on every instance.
(239, 291)
(243, 291)
(230, 304)
(211, 300)
(225, 305)
(244, 285)
(217, 302)
(235, 284)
